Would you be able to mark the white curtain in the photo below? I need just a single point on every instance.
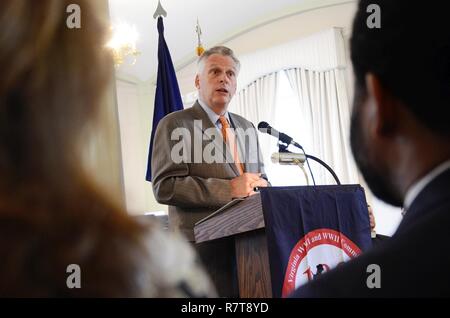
(318, 112)
(256, 103)
(323, 102)
(322, 51)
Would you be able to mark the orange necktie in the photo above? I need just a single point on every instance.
(230, 139)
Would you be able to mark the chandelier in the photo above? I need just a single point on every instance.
(123, 43)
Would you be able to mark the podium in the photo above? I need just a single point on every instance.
(243, 222)
(327, 223)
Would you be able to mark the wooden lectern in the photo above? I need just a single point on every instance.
(243, 222)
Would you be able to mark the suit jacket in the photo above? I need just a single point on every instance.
(414, 262)
(193, 190)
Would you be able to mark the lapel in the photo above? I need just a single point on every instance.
(200, 114)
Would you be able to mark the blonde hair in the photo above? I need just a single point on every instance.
(50, 213)
(52, 80)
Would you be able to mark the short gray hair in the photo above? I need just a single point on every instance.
(221, 50)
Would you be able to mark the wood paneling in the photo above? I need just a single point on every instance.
(253, 265)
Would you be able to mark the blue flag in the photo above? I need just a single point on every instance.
(311, 230)
(168, 97)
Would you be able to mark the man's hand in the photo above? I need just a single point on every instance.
(243, 185)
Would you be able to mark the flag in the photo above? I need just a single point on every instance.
(168, 97)
(311, 230)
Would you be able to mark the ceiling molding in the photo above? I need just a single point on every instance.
(306, 6)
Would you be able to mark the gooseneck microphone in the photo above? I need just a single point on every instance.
(266, 128)
(289, 158)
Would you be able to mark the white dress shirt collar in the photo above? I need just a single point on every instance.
(212, 115)
(418, 186)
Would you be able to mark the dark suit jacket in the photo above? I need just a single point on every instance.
(414, 262)
(195, 190)
(379, 240)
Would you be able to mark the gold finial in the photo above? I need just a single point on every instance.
(200, 48)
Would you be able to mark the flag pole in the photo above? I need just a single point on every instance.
(167, 95)
(160, 11)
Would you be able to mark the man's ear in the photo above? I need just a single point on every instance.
(197, 81)
(384, 106)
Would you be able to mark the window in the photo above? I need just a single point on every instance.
(290, 120)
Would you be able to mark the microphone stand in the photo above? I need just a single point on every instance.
(304, 172)
(282, 147)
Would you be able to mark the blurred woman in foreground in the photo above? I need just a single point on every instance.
(51, 214)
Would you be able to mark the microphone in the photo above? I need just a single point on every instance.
(288, 158)
(266, 128)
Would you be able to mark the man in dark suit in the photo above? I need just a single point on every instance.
(400, 137)
(205, 180)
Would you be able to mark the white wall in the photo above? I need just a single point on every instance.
(279, 32)
(135, 106)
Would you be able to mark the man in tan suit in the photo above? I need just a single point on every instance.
(205, 156)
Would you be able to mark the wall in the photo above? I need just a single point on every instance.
(284, 30)
(135, 107)
(102, 155)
